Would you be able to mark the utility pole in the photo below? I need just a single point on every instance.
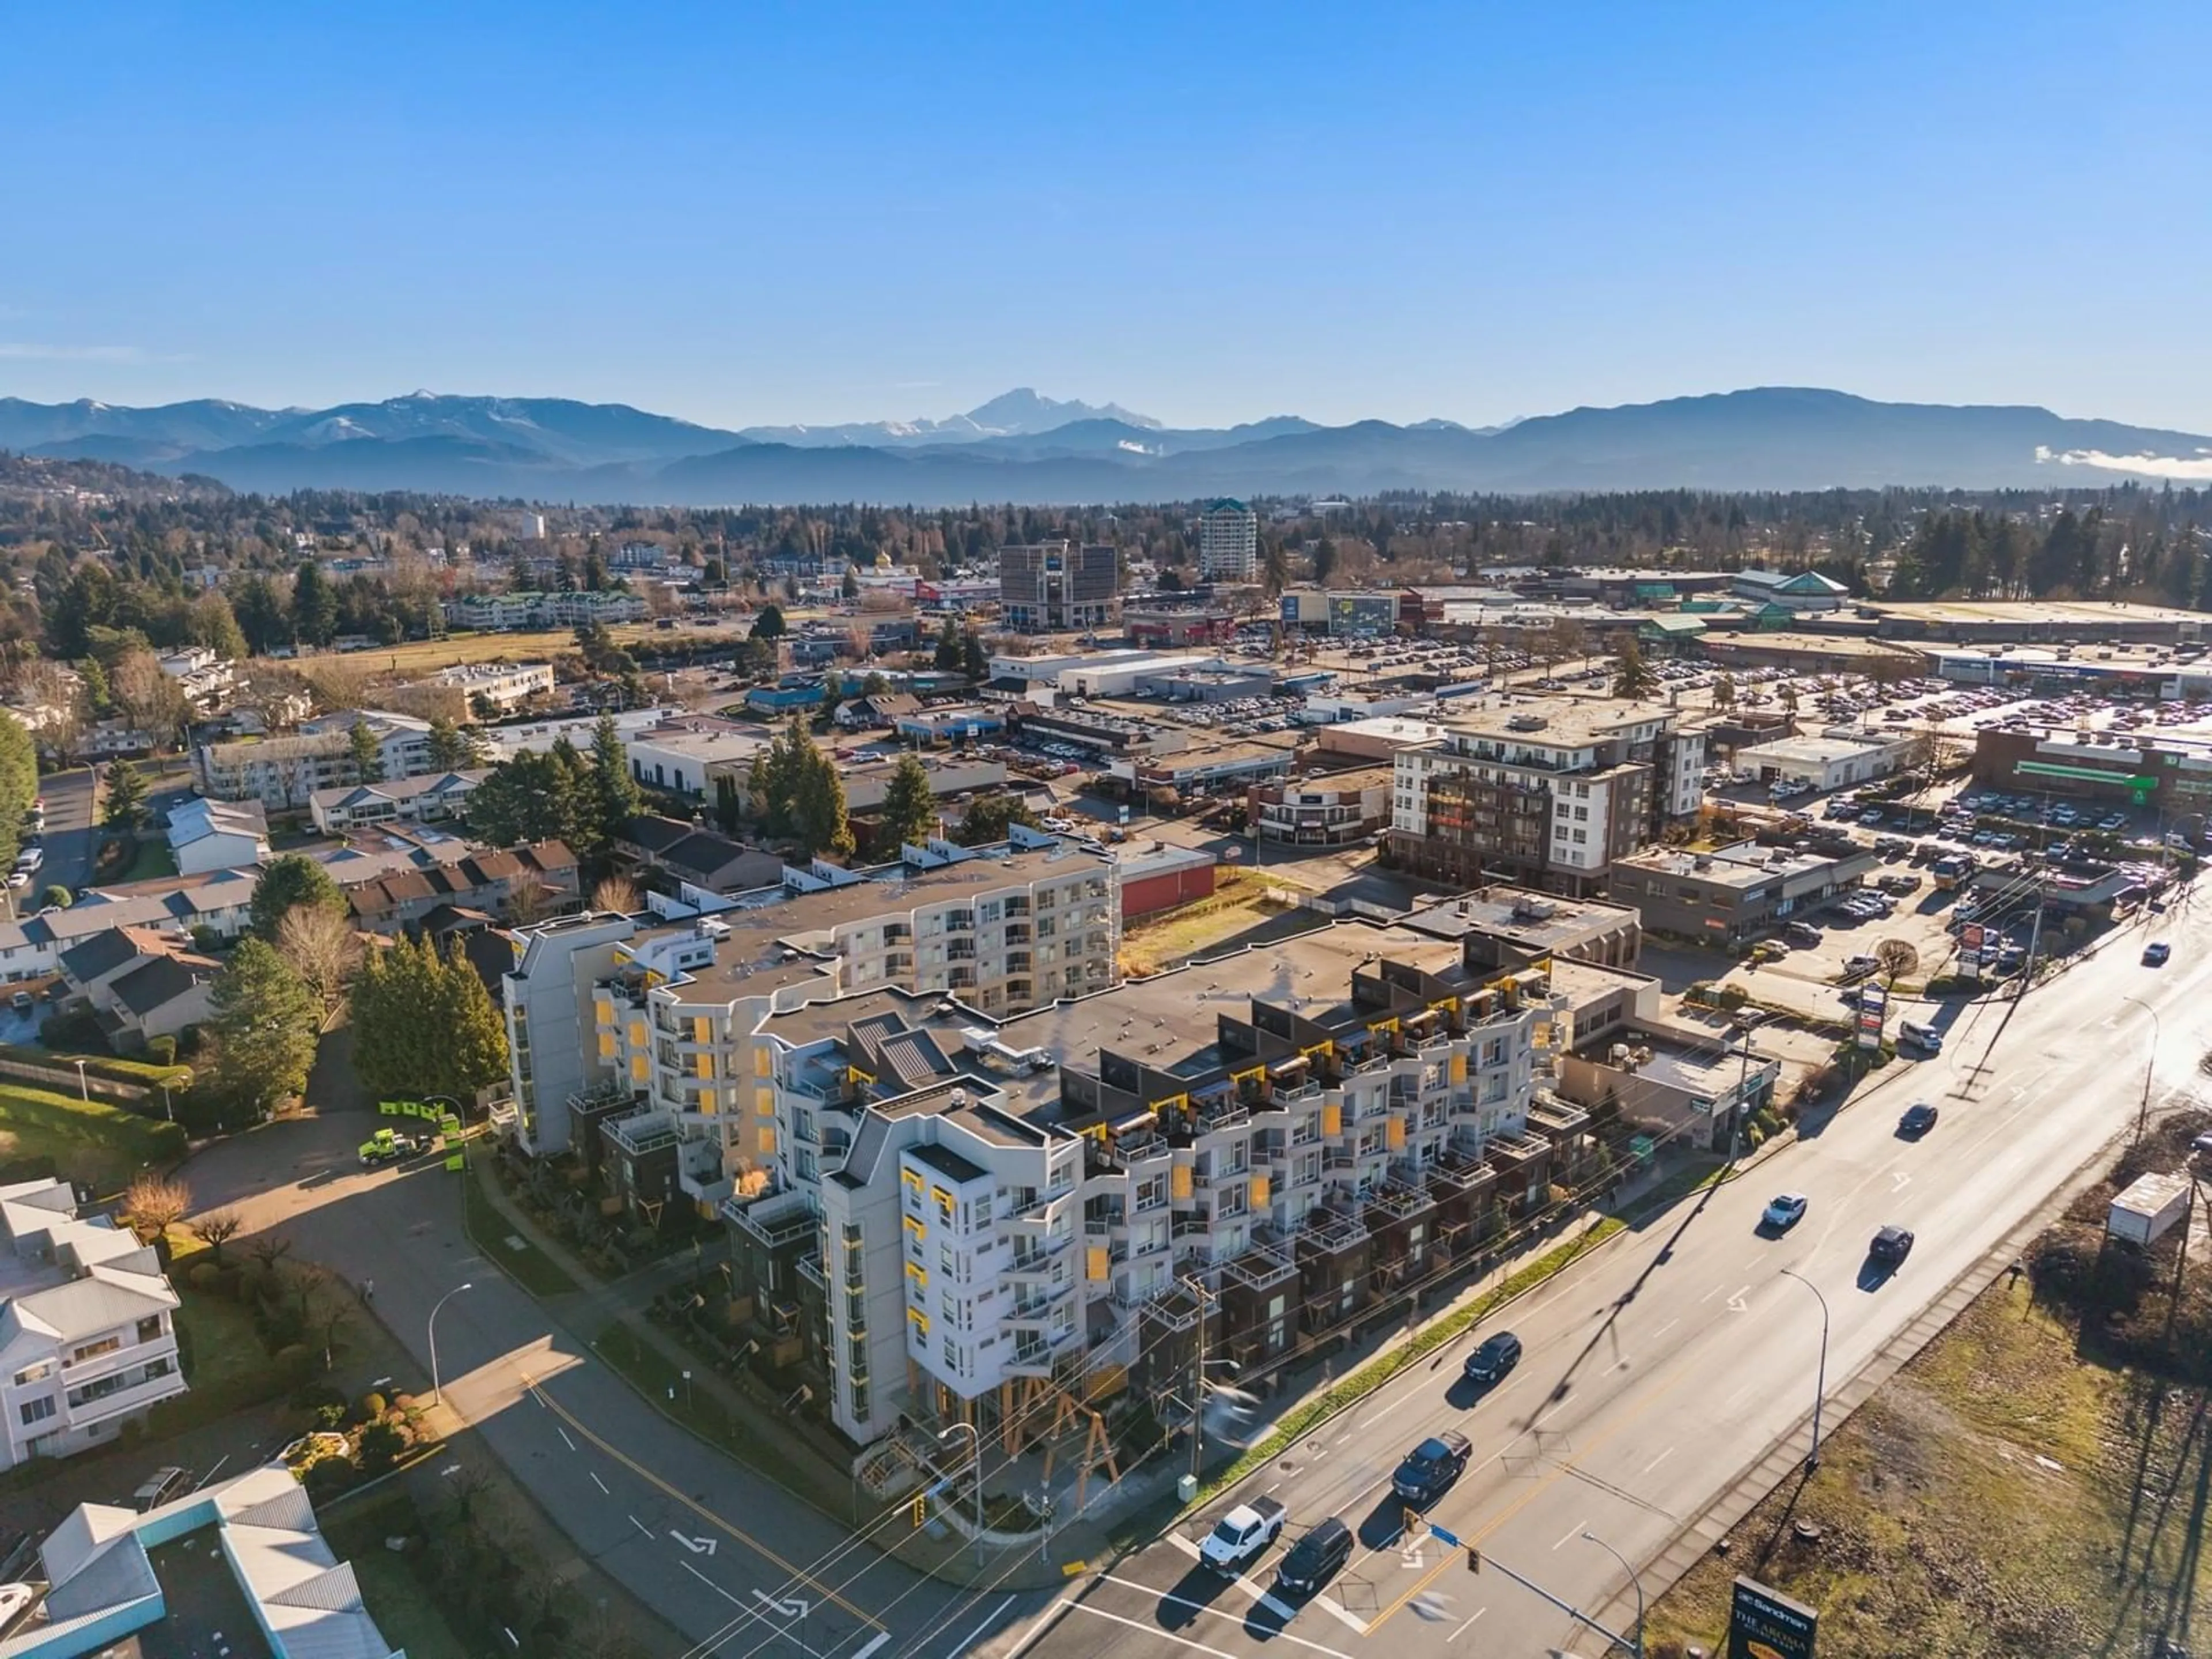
(1198, 1382)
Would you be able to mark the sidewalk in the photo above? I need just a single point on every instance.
(807, 1472)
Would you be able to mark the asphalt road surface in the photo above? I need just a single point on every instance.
(69, 838)
(1673, 1359)
(732, 1561)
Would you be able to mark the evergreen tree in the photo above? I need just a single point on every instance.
(615, 794)
(394, 1037)
(265, 1019)
(292, 880)
(125, 808)
(531, 798)
(949, 648)
(1634, 676)
(818, 808)
(471, 1037)
(975, 661)
(987, 817)
(451, 749)
(314, 605)
(367, 753)
(19, 784)
(211, 623)
(770, 624)
(909, 813)
(850, 588)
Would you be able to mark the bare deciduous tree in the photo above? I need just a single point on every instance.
(323, 947)
(618, 894)
(152, 1204)
(1895, 957)
(217, 1229)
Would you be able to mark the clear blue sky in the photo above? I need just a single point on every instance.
(1209, 212)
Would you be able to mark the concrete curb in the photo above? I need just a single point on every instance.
(1751, 1484)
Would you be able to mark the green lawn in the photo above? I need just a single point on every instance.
(492, 1234)
(408, 1620)
(151, 859)
(88, 1140)
(699, 1410)
(224, 1362)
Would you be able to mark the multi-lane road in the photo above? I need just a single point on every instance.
(1662, 1369)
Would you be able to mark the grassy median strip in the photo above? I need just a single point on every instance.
(492, 1235)
(1377, 1371)
(652, 1373)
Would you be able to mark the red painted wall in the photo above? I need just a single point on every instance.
(1166, 890)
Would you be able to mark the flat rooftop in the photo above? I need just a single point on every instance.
(2044, 611)
(1536, 921)
(1820, 751)
(1746, 863)
(1567, 721)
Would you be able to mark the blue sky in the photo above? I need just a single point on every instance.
(1209, 212)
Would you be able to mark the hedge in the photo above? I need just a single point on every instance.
(141, 1072)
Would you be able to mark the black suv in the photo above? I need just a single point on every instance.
(1314, 1559)
(1497, 1356)
(1891, 1246)
(1431, 1466)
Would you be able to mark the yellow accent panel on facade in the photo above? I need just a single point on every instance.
(637, 1034)
(1332, 1119)
(1394, 1132)
(606, 1045)
(705, 1064)
(1096, 1265)
(1260, 1191)
(703, 1029)
(641, 1069)
(1179, 1181)
(911, 1177)
(764, 1103)
(763, 1061)
(765, 1135)
(1458, 1073)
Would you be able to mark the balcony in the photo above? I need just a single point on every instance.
(642, 1132)
(777, 1220)
(809, 1269)
(1261, 1268)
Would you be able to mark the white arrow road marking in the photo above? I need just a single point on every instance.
(696, 1546)
(1899, 1181)
(796, 1607)
(1736, 1302)
(1410, 1558)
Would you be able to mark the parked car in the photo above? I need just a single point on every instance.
(1430, 1469)
(1315, 1558)
(1494, 1359)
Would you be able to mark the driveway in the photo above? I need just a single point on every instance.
(69, 840)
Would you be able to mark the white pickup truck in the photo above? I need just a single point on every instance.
(1243, 1535)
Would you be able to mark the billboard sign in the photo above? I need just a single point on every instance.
(1874, 1005)
(1764, 1624)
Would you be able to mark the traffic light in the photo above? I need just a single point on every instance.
(1412, 1523)
(1474, 1558)
(921, 1509)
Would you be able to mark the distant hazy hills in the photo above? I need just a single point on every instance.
(1025, 448)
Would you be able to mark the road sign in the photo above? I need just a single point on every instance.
(1441, 1536)
(1873, 1004)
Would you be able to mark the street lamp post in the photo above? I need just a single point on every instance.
(2150, 1065)
(1820, 1377)
(83, 1089)
(970, 1430)
(1635, 1645)
(433, 1325)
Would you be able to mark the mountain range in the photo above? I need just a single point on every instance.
(1024, 448)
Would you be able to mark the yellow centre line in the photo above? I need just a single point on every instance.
(1537, 1489)
(697, 1508)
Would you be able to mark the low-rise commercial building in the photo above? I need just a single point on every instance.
(1836, 759)
(1334, 808)
(1732, 895)
(1340, 612)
